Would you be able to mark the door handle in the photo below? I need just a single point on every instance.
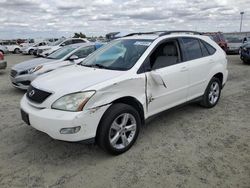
(183, 69)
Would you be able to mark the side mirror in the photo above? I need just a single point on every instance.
(157, 78)
(73, 57)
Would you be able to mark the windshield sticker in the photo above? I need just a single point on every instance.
(142, 43)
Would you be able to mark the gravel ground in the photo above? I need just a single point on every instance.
(186, 147)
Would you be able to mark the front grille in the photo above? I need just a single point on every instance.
(13, 73)
(37, 95)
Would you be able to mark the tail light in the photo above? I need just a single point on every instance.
(1, 56)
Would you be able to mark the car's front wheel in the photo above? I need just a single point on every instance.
(212, 94)
(119, 128)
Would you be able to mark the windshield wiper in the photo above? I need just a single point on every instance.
(96, 66)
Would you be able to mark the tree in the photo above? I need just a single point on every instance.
(79, 35)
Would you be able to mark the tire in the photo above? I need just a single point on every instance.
(2, 51)
(113, 128)
(212, 94)
(31, 52)
(16, 51)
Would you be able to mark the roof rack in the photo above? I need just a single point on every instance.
(162, 33)
(180, 31)
(142, 33)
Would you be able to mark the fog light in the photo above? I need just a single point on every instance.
(71, 130)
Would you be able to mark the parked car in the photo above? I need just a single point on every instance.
(30, 49)
(219, 38)
(12, 47)
(3, 49)
(46, 50)
(245, 53)
(3, 63)
(23, 73)
(107, 100)
(234, 44)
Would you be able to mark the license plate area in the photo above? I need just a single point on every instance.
(25, 117)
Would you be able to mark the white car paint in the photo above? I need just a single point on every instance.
(48, 49)
(30, 48)
(156, 90)
(23, 76)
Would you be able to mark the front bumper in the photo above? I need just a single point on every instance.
(51, 121)
(233, 50)
(245, 56)
(22, 81)
(3, 64)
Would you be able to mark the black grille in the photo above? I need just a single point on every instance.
(37, 95)
(13, 73)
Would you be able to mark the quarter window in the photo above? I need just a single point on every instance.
(204, 50)
(210, 49)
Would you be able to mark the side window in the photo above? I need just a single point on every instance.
(68, 42)
(166, 54)
(84, 52)
(210, 49)
(75, 41)
(192, 47)
(204, 50)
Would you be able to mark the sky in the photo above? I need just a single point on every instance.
(56, 18)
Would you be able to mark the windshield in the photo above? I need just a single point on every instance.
(62, 52)
(118, 55)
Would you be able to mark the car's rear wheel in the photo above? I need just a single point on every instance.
(119, 128)
(31, 52)
(16, 51)
(212, 94)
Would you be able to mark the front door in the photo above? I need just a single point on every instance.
(167, 82)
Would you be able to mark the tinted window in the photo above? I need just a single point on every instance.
(62, 52)
(210, 49)
(166, 54)
(204, 50)
(192, 48)
(78, 41)
(85, 51)
(68, 42)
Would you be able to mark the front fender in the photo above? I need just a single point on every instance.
(134, 87)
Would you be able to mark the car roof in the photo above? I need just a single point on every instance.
(154, 36)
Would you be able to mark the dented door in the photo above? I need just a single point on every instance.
(171, 92)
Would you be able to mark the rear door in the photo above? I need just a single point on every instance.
(200, 62)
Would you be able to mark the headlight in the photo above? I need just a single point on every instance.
(73, 102)
(30, 71)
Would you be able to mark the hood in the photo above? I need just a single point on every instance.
(31, 63)
(73, 79)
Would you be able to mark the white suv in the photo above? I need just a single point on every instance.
(112, 92)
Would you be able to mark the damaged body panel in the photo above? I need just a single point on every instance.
(114, 90)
